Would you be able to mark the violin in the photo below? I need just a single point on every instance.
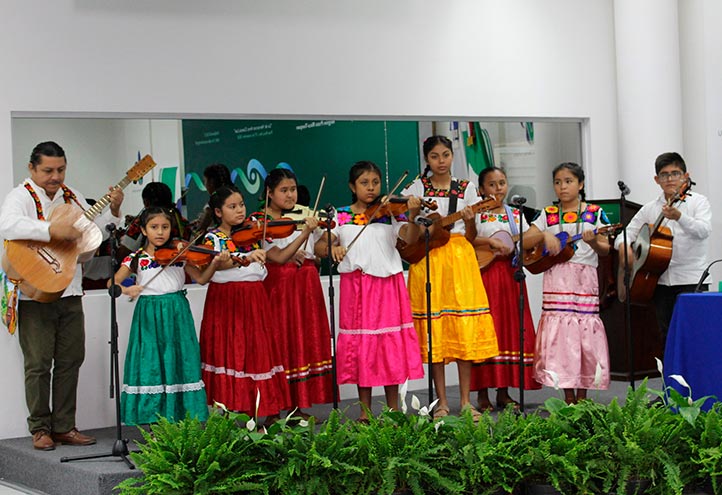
(251, 231)
(197, 256)
(394, 206)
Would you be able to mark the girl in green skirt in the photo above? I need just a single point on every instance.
(162, 374)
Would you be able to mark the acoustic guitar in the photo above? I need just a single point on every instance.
(485, 255)
(439, 233)
(45, 269)
(538, 259)
(652, 253)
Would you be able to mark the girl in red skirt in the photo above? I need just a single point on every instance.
(300, 329)
(239, 358)
(497, 231)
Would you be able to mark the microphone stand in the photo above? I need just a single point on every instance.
(332, 315)
(627, 274)
(427, 223)
(120, 446)
(520, 278)
(704, 276)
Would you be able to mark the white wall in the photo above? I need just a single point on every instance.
(701, 75)
(91, 147)
(463, 58)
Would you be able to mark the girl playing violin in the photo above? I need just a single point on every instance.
(462, 327)
(377, 345)
(571, 341)
(162, 374)
(502, 371)
(300, 328)
(238, 353)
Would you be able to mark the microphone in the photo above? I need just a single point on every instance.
(704, 276)
(115, 290)
(623, 188)
(518, 200)
(110, 227)
(426, 222)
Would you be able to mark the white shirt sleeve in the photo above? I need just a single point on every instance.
(16, 222)
(698, 223)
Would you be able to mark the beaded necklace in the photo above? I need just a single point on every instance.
(68, 196)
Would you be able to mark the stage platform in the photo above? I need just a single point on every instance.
(42, 472)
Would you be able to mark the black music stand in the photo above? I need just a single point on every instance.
(427, 224)
(520, 278)
(627, 283)
(331, 295)
(120, 446)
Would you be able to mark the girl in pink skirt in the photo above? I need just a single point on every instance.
(377, 343)
(571, 345)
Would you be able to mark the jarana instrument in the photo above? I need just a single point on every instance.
(45, 269)
(538, 259)
(439, 232)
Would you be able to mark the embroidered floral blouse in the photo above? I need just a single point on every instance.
(374, 252)
(573, 223)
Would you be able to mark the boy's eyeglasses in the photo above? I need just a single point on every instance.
(670, 175)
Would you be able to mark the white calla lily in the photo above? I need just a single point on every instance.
(660, 367)
(680, 379)
(555, 378)
(415, 403)
(426, 411)
(598, 375)
(402, 396)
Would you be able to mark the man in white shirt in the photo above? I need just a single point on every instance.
(51, 334)
(691, 224)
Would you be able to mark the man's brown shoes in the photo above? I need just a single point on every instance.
(42, 440)
(73, 437)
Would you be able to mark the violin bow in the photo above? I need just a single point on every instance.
(383, 201)
(315, 205)
(265, 218)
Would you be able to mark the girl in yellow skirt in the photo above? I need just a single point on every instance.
(462, 327)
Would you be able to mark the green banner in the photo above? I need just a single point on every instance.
(311, 148)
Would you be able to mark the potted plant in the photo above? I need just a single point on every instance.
(189, 456)
(405, 453)
(486, 454)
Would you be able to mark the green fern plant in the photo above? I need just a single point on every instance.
(403, 452)
(636, 441)
(706, 449)
(188, 456)
(319, 463)
(485, 455)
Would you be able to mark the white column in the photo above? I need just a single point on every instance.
(649, 95)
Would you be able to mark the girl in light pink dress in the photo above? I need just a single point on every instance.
(571, 345)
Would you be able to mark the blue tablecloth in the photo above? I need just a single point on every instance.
(694, 346)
